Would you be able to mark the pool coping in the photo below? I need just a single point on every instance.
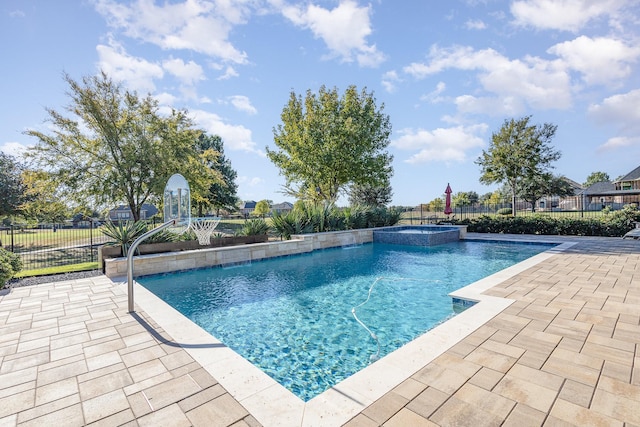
(272, 404)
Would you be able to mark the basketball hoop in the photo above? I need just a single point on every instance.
(203, 227)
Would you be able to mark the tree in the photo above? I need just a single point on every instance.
(596, 177)
(43, 203)
(518, 151)
(12, 186)
(262, 208)
(369, 195)
(221, 194)
(327, 142)
(461, 199)
(436, 204)
(536, 187)
(116, 147)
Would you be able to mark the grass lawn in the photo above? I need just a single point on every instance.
(68, 268)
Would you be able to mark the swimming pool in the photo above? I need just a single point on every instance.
(292, 316)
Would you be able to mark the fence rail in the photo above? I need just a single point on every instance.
(52, 245)
(426, 216)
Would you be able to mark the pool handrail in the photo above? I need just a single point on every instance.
(132, 250)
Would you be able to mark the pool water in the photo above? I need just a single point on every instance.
(292, 316)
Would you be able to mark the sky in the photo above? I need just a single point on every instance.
(448, 74)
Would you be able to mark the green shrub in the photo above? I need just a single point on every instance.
(294, 222)
(504, 211)
(614, 224)
(123, 233)
(10, 264)
(255, 227)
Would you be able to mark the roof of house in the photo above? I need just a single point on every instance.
(248, 205)
(631, 176)
(151, 210)
(283, 205)
(600, 187)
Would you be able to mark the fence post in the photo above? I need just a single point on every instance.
(12, 249)
(91, 238)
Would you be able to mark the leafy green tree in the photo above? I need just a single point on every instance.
(12, 186)
(116, 147)
(436, 204)
(496, 198)
(43, 203)
(262, 208)
(222, 193)
(519, 151)
(596, 177)
(461, 199)
(534, 188)
(369, 195)
(327, 142)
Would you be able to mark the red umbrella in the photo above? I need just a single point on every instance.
(447, 205)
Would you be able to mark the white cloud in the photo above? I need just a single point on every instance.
(242, 103)
(188, 73)
(475, 24)
(619, 110)
(138, 73)
(235, 137)
(250, 181)
(195, 25)
(17, 13)
(434, 96)
(600, 60)
(344, 30)
(14, 149)
(229, 72)
(537, 82)
(389, 80)
(619, 142)
(492, 106)
(442, 144)
(564, 15)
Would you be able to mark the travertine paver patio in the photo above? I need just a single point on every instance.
(566, 352)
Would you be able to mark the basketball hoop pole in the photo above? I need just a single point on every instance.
(132, 250)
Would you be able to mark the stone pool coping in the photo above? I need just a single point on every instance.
(272, 404)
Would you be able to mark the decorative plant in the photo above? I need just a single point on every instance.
(290, 223)
(10, 264)
(255, 227)
(123, 233)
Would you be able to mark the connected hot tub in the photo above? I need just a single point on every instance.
(420, 235)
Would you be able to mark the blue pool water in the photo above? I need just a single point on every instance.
(292, 316)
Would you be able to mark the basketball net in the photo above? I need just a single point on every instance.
(203, 227)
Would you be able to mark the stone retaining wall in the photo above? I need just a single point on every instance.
(185, 260)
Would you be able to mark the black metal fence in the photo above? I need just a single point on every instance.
(52, 245)
(424, 214)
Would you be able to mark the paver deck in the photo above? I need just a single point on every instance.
(565, 352)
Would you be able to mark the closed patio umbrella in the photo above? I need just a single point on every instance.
(447, 205)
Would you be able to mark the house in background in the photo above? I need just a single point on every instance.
(564, 203)
(247, 207)
(616, 194)
(123, 213)
(282, 208)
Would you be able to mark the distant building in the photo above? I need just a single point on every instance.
(282, 208)
(614, 194)
(247, 207)
(123, 213)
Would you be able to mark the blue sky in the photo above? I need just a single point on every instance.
(448, 73)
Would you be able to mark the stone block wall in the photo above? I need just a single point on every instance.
(186, 260)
